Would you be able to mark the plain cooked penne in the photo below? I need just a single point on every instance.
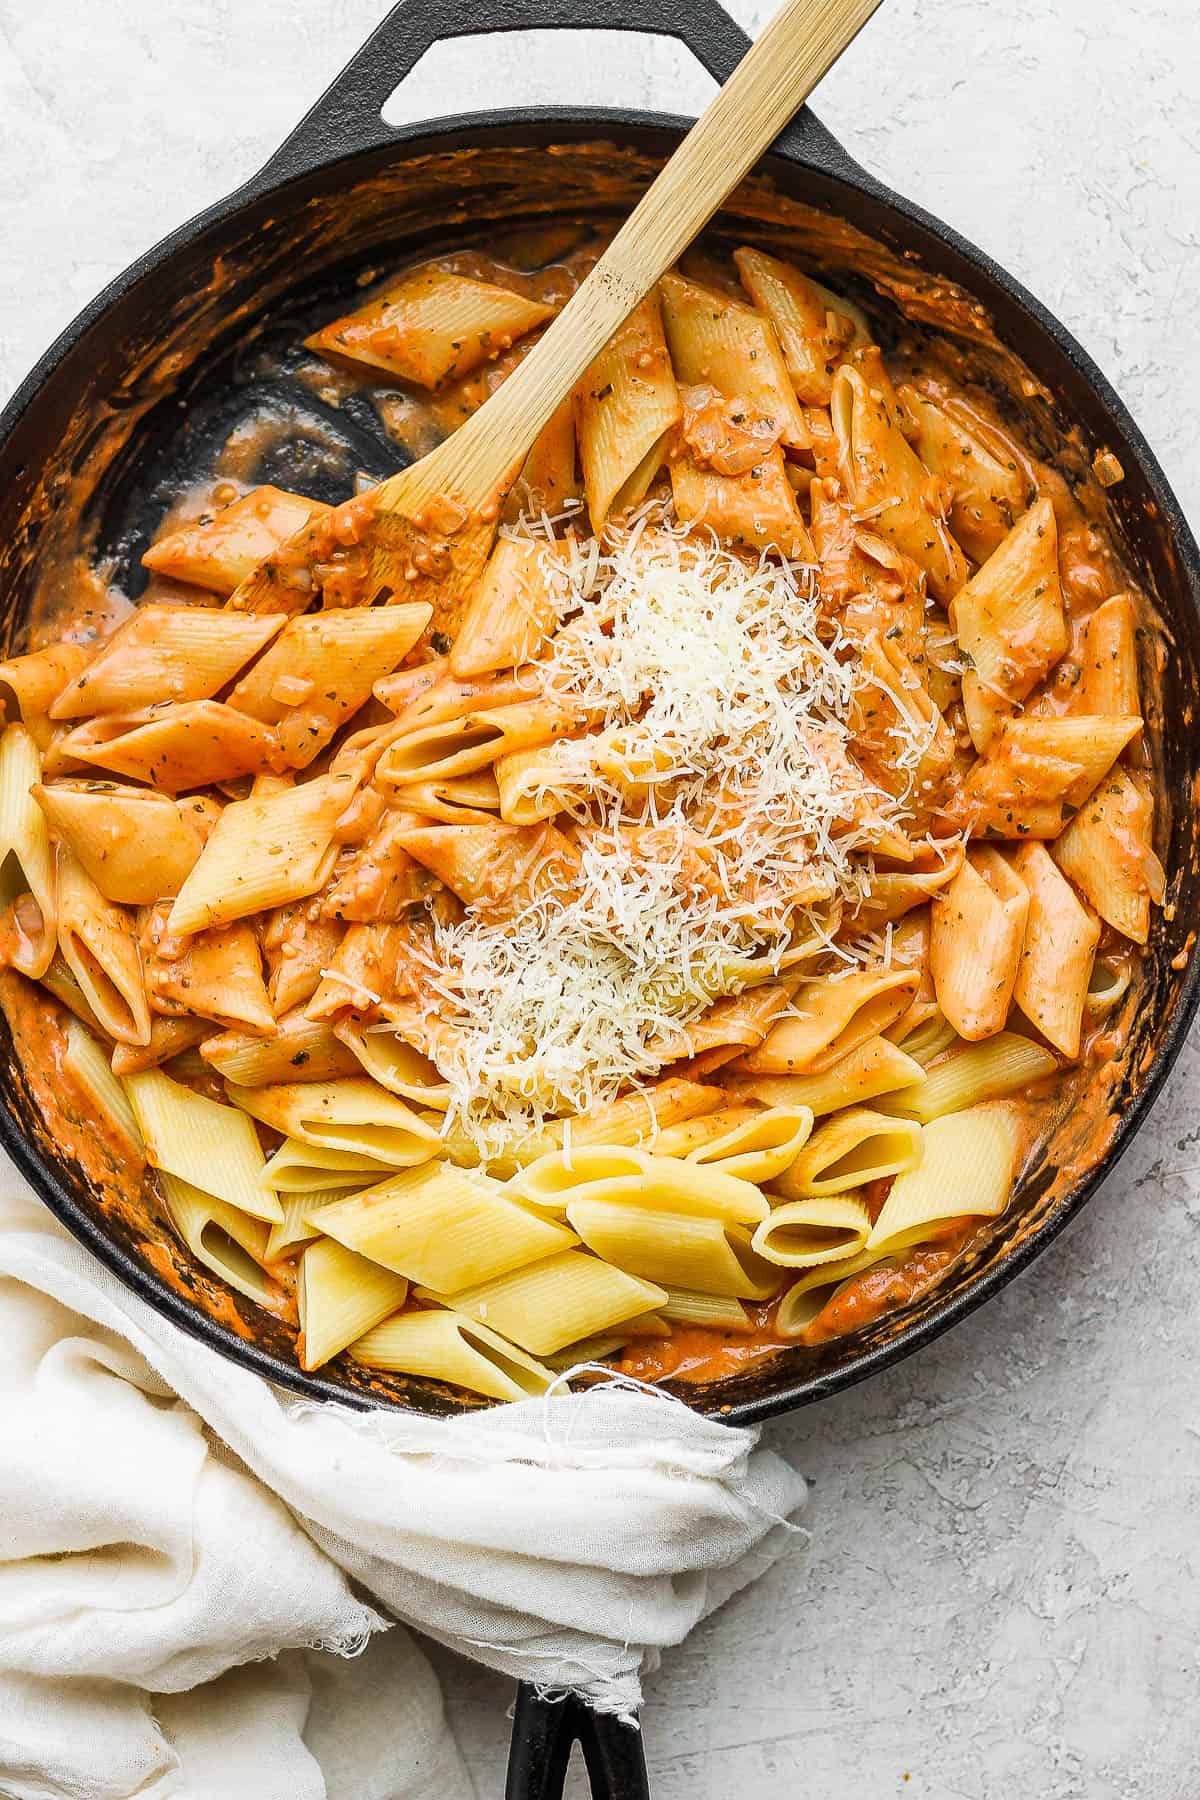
(848, 1150)
(975, 943)
(221, 548)
(264, 852)
(341, 1296)
(1061, 935)
(966, 1076)
(394, 1064)
(321, 669)
(627, 1176)
(801, 1234)
(224, 1238)
(927, 1039)
(300, 1168)
(625, 405)
(136, 844)
(431, 326)
(443, 1227)
(676, 1249)
(165, 653)
(100, 947)
(27, 876)
(968, 1167)
(864, 1073)
(213, 1147)
(716, 1312)
(351, 1115)
(294, 1231)
(448, 1347)
(558, 1301)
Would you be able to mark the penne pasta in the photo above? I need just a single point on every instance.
(176, 746)
(351, 1115)
(100, 947)
(217, 975)
(294, 1230)
(972, 1073)
(312, 1171)
(815, 327)
(394, 1064)
(27, 870)
(989, 483)
(1009, 621)
(168, 1038)
(341, 1296)
(214, 1148)
(975, 943)
(1034, 769)
(968, 1168)
(463, 746)
(263, 853)
(514, 610)
(447, 1347)
(548, 477)
(756, 1149)
(558, 1301)
(848, 1150)
(807, 1234)
(443, 1227)
(1110, 682)
(674, 1249)
(320, 670)
(165, 653)
(714, 1312)
(832, 1017)
(301, 1049)
(86, 1059)
(431, 326)
(625, 406)
(757, 508)
(134, 843)
(871, 1069)
(224, 545)
(887, 481)
(1061, 935)
(1107, 853)
(626, 1176)
(713, 338)
(223, 1238)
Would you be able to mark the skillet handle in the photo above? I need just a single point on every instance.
(348, 116)
(543, 1735)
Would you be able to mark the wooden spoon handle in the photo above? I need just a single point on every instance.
(768, 86)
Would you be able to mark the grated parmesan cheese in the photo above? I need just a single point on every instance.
(749, 813)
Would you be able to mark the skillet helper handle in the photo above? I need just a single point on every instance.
(348, 116)
(544, 1734)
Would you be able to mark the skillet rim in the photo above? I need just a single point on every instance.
(805, 145)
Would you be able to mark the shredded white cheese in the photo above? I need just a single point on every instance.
(724, 670)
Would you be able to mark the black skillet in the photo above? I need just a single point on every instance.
(140, 392)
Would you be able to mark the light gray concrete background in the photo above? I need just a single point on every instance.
(1002, 1596)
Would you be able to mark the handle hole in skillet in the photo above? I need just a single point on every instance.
(550, 68)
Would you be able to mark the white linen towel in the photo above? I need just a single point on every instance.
(176, 1538)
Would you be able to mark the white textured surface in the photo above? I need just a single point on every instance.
(1003, 1594)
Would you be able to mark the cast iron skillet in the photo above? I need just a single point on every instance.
(137, 395)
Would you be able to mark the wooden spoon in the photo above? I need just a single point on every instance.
(431, 525)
